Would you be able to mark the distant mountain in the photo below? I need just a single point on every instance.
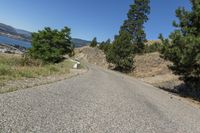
(7, 29)
(14, 33)
(20, 34)
(80, 42)
(23, 32)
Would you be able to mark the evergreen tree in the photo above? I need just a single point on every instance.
(101, 46)
(105, 45)
(183, 47)
(134, 25)
(121, 52)
(108, 41)
(94, 42)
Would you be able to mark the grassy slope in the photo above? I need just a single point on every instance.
(11, 68)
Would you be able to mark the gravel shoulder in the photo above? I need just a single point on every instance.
(99, 101)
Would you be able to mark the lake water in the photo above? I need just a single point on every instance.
(11, 41)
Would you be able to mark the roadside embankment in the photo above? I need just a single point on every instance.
(15, 75)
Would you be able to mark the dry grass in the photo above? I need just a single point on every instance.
(150, 65)
(12, 68)
(150, 42)
(152, 69)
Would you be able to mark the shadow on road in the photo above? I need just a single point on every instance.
(184, 91)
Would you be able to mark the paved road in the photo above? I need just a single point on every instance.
(99, 101)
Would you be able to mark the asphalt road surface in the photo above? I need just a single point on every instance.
(99, 101)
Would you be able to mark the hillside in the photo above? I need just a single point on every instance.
(12, 32)
(148, 67)
(152, 69)
(7, 29)
(23, 32)
(91, 55)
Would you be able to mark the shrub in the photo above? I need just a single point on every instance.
(4, 69)
(26, 60)
(50, 45)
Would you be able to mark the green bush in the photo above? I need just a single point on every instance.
(50, 45)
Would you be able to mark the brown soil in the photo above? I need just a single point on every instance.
(150, 65)
(92, 55)
(152, 69)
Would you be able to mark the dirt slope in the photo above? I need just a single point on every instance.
(150, 68)
(149, 65)
(92, 55)
(153, 69)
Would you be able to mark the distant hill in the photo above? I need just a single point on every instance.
(23, 32)
(14, 33)
(80, 42)
(7, 29)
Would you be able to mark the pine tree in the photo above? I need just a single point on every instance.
(183, 47)
(134, 25)
(121, 52)
(102, 45)
(105, 46)
(94, 42)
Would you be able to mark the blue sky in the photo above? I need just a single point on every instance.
(87, 18)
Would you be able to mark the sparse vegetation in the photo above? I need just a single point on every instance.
(43, 59)
(13, 67)
(154, 47)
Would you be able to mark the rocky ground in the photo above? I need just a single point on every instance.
(9, 49)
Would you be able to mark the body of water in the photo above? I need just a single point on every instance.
(11, 41)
